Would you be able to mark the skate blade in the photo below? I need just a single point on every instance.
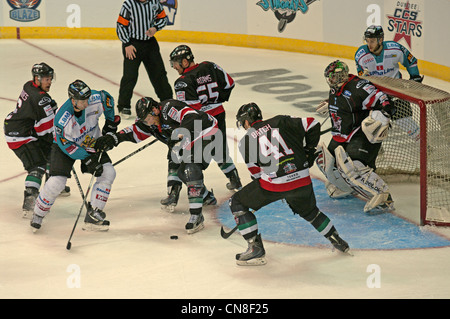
(64, 194)
(27, 214)
(196, 229)
(93, 227)
(261, 261)
(168, 208)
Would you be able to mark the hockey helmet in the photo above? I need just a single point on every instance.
(42, 70)
(374, 31)
(144, 107)
(181, 52)
(79, 90)
(250, 112)
(336, 74)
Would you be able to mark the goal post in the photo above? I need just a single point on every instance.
(417, 148)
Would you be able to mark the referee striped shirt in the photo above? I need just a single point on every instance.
(136, 17)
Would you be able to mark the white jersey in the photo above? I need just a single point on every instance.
(75, 133)
(387, 63)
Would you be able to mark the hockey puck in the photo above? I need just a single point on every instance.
(175, 237)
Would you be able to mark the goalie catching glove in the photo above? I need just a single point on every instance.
(376, 126)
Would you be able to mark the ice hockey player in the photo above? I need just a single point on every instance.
(360, 116)
(206, 86)
(381, 58)
(76, 129)
(190, 145)
(278, 153)
(29, 131)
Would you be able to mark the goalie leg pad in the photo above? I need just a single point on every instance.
(359, 176)
(336, 185)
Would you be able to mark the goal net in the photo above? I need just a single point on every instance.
(418, 144)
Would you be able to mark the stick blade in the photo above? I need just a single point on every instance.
(224, 234)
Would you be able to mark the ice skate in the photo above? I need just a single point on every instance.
(30, 195)
(170, 202)
(95, 220)
(65, 192)
(338, 242)
(254, 255)
(235, 182)
(195, 223)
(125, 112)
(36, 222)
(209, 199)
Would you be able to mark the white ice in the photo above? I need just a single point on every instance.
(136, 258)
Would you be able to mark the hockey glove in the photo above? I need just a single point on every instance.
(92, 165)
(111, 126)
(106, 142)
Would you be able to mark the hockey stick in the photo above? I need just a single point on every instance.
(69, 244)
(225, 235)
(135, 152)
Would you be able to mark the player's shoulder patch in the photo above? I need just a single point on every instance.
(391, 45)
(362, 50)
(64, 119)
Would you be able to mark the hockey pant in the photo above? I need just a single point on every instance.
(301, 201)
(34, 160)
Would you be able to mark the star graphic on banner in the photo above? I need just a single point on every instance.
(404, 25)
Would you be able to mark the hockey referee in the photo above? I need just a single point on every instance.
(137, 24)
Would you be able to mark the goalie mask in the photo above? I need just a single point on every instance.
(250, 112)
(144, 107)
(336, 74)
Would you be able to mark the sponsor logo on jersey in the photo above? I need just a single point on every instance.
(24, 10)
(404, 21)
(64, 118)
(285, 10)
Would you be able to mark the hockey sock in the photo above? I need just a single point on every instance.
(34, 177)
(323, 224)
(195, 196)
(227, 168)
(247, 224)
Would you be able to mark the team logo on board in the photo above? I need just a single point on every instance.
(171, 7)
(404, 22)
(285, 10)
(24, 10)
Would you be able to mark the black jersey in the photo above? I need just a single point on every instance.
(274, 151)
(176, 118)
(32, 118)
(349, 106)
(204, 87)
